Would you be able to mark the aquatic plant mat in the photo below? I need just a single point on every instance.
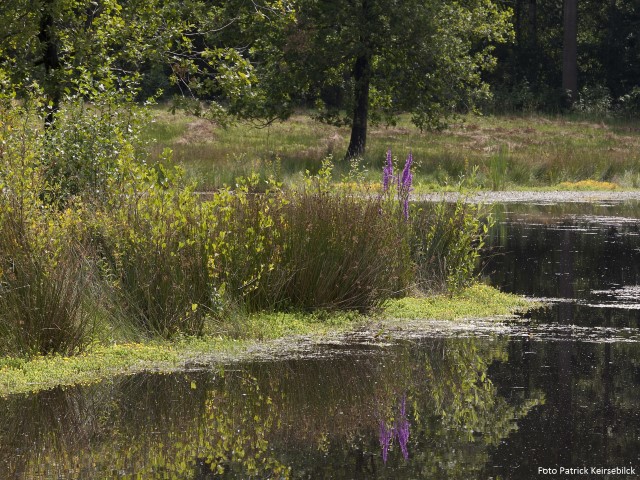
(293, 336)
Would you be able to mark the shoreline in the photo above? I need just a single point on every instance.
(477, 307)
(532, 196)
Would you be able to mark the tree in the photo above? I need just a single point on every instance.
(570, 50)
(378, 58)
(68, 47)
(83, 47)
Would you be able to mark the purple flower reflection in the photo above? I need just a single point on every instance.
(400, 431)
(386, 435)
(402, 428)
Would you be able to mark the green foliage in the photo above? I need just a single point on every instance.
(82, 154)
(418, 66)
(498, 165)
(528, 76)
(341, 252)
(153, 237)
(42, 274)
(594, 101)
(446, 244)
(41, 296)
(92, 232)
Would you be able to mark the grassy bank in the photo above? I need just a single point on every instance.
(100, 244)
(491, 152)
(21, 375)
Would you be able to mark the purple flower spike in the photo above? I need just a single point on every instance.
(407, 177)
(387, 172)
(404, 185)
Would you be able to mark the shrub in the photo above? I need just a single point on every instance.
(594, 100)
(446, 244)
(629, 104)
(42, 274)
(153, 239)
(80, 155)
(246, 238)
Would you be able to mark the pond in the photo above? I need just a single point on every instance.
(557, 389)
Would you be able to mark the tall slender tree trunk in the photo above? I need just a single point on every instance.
(50, 60)
(570, 51)
(532, 21)
(362, 78)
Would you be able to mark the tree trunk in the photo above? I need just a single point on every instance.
(50, 60)
(532, 27)
(362, 78)
(570, 51)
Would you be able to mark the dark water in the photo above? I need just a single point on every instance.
(503, 405)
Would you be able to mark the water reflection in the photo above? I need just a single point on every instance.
(397, 429)
(556, 389)
(592, 411)
(586, 253)
(302, 419)
(586, 256)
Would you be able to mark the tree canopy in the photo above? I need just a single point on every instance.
(368, 59)
(372, 59)
(354, 62)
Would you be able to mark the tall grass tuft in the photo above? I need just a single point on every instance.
(41, 298)
(314, 250)
(341, 252)
(498, 165)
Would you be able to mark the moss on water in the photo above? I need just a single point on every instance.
(100, 362)
(474, 302)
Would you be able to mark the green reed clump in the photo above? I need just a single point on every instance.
(306, 250)
(341, 252)
(445, 245)
(42, 273)
(42, 302)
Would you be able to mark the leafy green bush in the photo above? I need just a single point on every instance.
(629, 104)
(80, 155)
(594, 100)
(153, 239)
(445, 245)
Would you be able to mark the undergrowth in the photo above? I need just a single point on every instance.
(102, 243)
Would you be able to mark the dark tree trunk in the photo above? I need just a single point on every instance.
(532, 30)
(362, 78)
(362, 81)
(50, 60)
(517, 21)
(570, 51)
